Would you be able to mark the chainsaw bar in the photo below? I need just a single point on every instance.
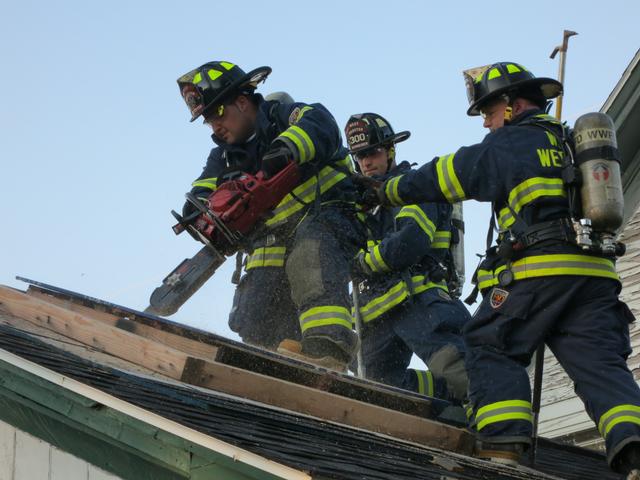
(184, 281)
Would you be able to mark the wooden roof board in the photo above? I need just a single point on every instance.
(238, 381)
(324, 449)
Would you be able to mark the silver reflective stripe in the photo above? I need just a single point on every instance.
(516, 201)
(263, 257)
(484, 418)
(527, 267)
(630, 414)
(391, 298)
(447, 177)
(340, 315)
(442, 236)
(378, 267)
(307, 194)
(303, 141)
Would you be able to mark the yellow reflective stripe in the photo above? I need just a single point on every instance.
(375, 261)
(503, 411)
(210, 183)
(391, 191)
(469, 412)
(214, 74)
(417, 214)
(494, 73)
(302, 141)
(372, 243)
(425, 382)
(395, 296)
(525, 193)
(325, 316)
(306, 192)
(486, 278)
(550, 265)
(512, 68)
(419, 285)
(382, 304)
(616, 415)
(448, 180)
(266, 257)
(227, 65)
(441, 239)
(303, 110)
(548, 118)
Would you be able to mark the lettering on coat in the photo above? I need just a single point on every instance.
(550, 157)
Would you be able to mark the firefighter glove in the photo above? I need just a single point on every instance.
(360, 265)
(278, 156)
(370, 190)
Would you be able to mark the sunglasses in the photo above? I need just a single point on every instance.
(369, 152)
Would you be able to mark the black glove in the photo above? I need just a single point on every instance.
(370, 190)
(189, 208)
(359, 266)
(276, 159)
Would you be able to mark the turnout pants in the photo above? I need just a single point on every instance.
(586, 327)
(429, 325)
(304, 277)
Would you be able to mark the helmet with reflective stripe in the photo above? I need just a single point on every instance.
(214, 82)
(370, 130)
(509, 79)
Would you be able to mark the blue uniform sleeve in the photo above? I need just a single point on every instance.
(412, 239)
(207, 182)
(470, 173)
(312, 133)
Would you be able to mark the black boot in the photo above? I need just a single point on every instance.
(628, 460)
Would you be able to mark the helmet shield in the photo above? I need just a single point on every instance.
(193, 97)
(214, 82)
(469, 76)
(357, 132)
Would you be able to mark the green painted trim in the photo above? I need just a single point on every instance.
(107, 438)
(90, 448)
(113, 427)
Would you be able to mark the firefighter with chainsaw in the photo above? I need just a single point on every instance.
(298, 266)
(551, 277)
(402, 277)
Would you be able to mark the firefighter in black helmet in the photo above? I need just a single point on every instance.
(297, 269)
(492, 92)
(402, 279)
(538, 285)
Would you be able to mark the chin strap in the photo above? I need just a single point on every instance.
(508, 114)
(391, 156)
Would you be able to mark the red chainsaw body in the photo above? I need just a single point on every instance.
(242, 202)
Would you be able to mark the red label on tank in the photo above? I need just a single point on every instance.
(600, 172)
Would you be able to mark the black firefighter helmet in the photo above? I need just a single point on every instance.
(507, 78)
(214, 82)
(366, 131)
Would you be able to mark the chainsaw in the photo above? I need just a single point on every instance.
(222, 223)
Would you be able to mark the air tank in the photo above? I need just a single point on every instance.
(598, 159)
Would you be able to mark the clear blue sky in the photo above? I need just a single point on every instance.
(96, 146)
